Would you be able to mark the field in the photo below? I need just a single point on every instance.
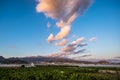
(59, 73)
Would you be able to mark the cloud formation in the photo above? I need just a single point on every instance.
(92, 39)
(118, 57)
(63, 33)
(86, 55)
(79, 57)
(79, 40)
(66, 54)
(82, 44)
(62, 43)
(64, 11)
(48, 25)
(70, 49)
(73, 45)
(50, 38)
(80, 51)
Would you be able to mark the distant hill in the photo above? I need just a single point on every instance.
(11, 61)
(47, 59)
(39, 59)
(1, 59)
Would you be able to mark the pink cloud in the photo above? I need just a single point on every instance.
(63, 32)
(64, 11)
(78, 41)
(50, 38)
(62, 43)
(92, 39)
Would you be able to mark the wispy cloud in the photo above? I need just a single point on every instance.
(118, 57)
(62, 42)
(82, 44)
(78, 41)
(80, 51)
(70, 49)
(92, 39)
(79, 57)
(48, 25)
(73, 45)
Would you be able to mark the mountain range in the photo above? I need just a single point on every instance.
(40, 59)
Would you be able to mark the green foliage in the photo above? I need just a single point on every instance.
(57, 73)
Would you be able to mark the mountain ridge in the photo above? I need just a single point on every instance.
(39, 59)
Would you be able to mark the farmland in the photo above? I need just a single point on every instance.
(59, 73)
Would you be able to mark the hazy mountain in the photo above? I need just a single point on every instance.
(11, 60)
(1, 59)
(39, 59)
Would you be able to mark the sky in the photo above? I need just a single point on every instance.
(89, 29)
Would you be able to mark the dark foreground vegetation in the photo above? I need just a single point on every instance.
(59, 73)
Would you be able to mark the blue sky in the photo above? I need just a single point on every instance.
(23, 31)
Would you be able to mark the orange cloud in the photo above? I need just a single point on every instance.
(62, 43)
(65, 11)
(50, 38)
(51, 8)
(63, 32)
(78, 41)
